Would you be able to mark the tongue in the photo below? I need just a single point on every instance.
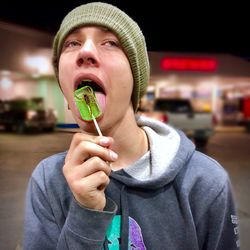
(101, 98)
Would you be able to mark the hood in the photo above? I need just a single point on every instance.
(170, 150)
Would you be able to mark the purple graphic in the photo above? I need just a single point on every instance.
(135, 236)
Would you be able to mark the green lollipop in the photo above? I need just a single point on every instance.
(86, 103)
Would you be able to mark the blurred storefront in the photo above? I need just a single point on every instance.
(25, 67)
(218, 83)
(214, 82)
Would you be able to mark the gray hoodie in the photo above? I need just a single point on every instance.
(173, 197)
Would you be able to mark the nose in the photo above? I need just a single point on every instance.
(88, 54)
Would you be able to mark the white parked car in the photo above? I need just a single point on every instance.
(180, 114)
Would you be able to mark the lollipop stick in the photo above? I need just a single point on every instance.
(97, 126)
(87, 100)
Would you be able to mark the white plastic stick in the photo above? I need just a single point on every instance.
(97, 126)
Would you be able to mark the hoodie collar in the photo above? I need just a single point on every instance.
(169, 151)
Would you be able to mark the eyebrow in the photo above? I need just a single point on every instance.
(104, 29)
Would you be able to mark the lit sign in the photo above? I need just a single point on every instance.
(188, 64)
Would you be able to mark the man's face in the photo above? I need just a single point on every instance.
(94, 54)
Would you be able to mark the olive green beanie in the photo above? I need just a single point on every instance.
(127, 31)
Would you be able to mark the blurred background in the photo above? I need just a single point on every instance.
(200, 83)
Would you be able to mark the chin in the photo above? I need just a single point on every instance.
(87, 126)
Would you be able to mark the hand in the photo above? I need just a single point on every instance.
(87, 169)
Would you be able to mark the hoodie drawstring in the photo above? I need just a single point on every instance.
(105, 244)
(124, 229)
(124, 234)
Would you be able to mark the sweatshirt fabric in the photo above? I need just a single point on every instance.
(173, 197)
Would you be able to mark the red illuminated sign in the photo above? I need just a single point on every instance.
(188, 64)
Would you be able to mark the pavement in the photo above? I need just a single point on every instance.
(221, 129)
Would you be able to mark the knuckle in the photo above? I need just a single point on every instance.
(84, 137)
(70, 178)
(100, 164)
(103, 177)
(86, 145)
(82, 144)
(77, 136)
(78, 188)
(96, 160)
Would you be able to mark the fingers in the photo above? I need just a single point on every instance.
(101, 140)
(98, 180)
(89, 192)
(86, 150)
(85, 146)
(87, 168)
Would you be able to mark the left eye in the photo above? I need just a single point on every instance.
(111, 43)
(72, 44)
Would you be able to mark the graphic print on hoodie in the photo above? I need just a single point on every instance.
(135, 240)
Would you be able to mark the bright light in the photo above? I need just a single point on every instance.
(188, 64)
(38, 63)
(5, 82)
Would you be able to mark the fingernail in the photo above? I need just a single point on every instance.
(113, 155)
(104, 140)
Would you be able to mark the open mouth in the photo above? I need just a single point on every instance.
(95, 86)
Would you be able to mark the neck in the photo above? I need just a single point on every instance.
(130, 141)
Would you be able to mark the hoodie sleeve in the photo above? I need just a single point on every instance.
(221, 223)
(83, 228)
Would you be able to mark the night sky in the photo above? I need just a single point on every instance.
(167, 25)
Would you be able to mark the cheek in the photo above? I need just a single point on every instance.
(122, 75)
(126, 82)
(64, 74)
(62, 68)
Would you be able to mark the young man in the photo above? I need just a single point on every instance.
(142, 185)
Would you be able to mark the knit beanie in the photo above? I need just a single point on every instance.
(127, 31)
